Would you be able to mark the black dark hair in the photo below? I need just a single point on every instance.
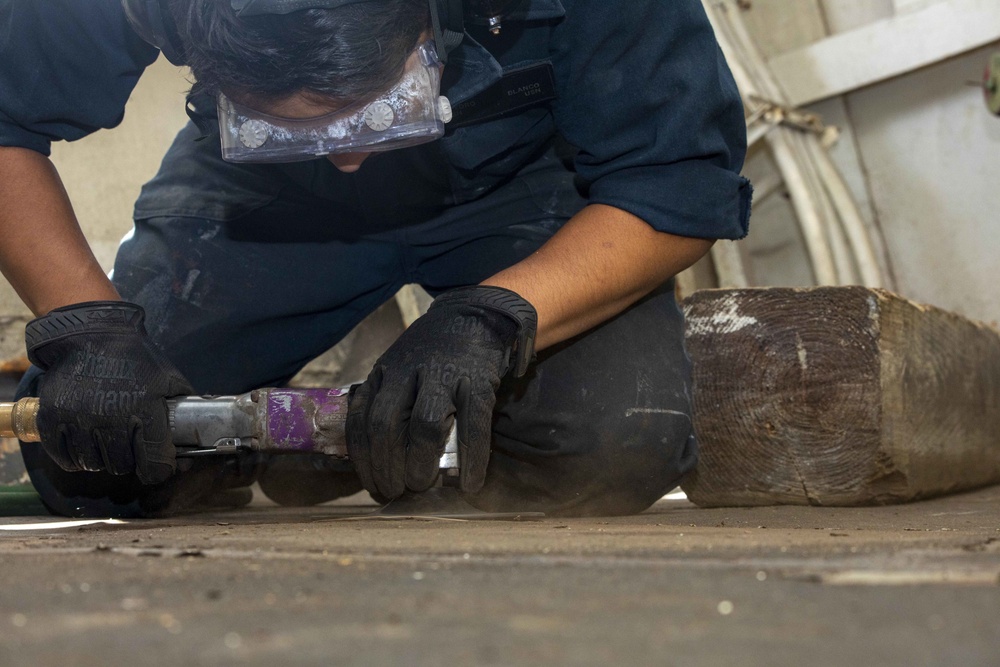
(347, 53)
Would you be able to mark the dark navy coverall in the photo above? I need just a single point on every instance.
(247, 272)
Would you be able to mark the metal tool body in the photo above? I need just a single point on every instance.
(272, 421)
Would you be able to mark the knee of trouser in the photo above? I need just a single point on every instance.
(635, 464)
(616, 468)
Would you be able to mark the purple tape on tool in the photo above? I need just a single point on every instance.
(301, 419)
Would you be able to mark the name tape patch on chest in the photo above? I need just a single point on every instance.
(516, 91)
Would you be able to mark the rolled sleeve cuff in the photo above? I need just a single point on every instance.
(16, 136)
(693, 198)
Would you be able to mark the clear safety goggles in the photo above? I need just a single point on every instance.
(412, 112)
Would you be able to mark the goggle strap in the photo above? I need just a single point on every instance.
(261, 7)
(447, 37)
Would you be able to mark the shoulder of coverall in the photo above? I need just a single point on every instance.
(654, 113)
(67, 69)
(645, 94)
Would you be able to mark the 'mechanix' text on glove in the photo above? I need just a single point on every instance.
(102, 392)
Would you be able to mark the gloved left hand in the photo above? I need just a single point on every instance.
(445, 367)
(101, 397)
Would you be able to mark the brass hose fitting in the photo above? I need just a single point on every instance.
(20, 420)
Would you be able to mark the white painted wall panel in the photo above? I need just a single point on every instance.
(844, 15)
(886, 48)
(930, 151)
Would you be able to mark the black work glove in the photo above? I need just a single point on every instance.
(445, 368)
(102, 394)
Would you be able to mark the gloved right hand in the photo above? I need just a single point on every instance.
(101, 397)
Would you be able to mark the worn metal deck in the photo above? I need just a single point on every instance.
(906, 585)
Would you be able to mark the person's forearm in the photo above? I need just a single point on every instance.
(600, 262)
(43, 253)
